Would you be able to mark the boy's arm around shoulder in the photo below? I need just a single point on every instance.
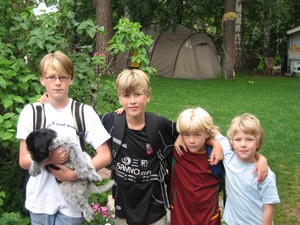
(217, 153)
(261, 167)
(167, 129)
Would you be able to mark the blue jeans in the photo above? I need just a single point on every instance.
(56, 219)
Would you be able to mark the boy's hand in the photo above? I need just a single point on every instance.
(63, 173)
(44, 99)
(119, 110)
(57, 156)
(217, 152)
(180, 146)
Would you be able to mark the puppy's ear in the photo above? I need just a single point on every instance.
(38, 143)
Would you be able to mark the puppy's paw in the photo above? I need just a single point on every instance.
(88, 214)
(92, 176)
(95, 177)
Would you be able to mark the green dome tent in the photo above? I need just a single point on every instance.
(182, 54)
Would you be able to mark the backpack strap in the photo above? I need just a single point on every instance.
(117, 133)
(219, 172)
(153, 131)
(152, 125)
(78, 116)
(39, 118)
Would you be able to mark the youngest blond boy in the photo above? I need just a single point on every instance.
(248, 201)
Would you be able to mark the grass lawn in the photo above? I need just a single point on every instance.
(274, 100)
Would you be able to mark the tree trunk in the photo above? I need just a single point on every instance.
(239, 33)
(229, 39)
(266, 35)
(103, 18)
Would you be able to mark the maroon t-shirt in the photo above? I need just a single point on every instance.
(194, 191)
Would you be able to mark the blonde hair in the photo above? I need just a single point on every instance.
(59, 62)
(249, 124)
(196, 120)
(132, 80)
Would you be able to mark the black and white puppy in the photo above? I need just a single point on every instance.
(42, 142)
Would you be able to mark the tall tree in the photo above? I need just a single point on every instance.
(103, 18)
(229, 18)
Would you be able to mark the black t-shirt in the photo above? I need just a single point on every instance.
(138, 193)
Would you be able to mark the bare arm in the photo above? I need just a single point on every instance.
(24, 156)
(180, 146)
(103, 157)
(268, 214)
(261, 167)
(217, 152)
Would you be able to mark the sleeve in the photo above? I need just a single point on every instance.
(107, 120)
(226, 147)
(225, 144)
(96, 134)
(25, 123)
(168, 128)
(268, 189)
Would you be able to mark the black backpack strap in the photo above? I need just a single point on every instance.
(117, 133)
(152, 125)
(39, 118)
(153, 132)
(78, 116)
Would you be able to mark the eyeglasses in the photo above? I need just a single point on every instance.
(53, 79)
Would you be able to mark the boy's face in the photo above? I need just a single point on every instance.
(245, 146)
(134, 103)
(195, 141)
(57, 86)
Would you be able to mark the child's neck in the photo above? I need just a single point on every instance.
(136, 123)
(59, 103)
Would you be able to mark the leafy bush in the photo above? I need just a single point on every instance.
(24, 40)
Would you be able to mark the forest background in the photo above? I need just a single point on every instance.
(92, 33)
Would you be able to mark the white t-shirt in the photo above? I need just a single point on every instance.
(245, 196)
(42, 192)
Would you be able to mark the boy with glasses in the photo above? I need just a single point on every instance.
(43, 197)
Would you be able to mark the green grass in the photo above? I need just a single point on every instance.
(274, 100)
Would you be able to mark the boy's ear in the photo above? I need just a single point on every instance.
(148, 98)
(120, 102)
(42, 80)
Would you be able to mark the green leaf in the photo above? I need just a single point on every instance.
(7, 103)
(3, 83)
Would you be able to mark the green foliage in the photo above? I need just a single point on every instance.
(129, 38)
(103, 215)
(24, 40)
(13, 218)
